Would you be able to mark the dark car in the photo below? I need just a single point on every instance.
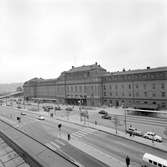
(45, 108)
(57, 108)
(103, 112)
(68, 109)
(106, 116)
(134, 131)
(50, 107)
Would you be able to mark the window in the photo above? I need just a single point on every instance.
(144, 86)
(110, 87)
(75, 88)
(155, 163)
(153, 95)
(154, 102)
(137, 86)
(85, 88)
(129, 86)
(104, 87)
(162, 86)
(145, 94)
(104, 93)
(159, 165)
(163, 94)
(137, 94)
(110, 93)
(80, 88)
(116, 86)
(150, 161)
(130, 94)
(153, 85)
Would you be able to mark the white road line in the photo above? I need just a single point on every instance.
(60, 142)
(50, 146)
(55, 144)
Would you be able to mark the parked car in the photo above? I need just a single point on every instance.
(57, 108)
(103, 112)
(23, 113)
(134, 131)
(152, 136)
(106, 116)
(40, 117)
(68, 109)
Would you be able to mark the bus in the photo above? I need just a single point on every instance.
(154, 161)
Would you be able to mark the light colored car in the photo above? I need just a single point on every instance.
(23, 113)
(152, 136)
(40, 117)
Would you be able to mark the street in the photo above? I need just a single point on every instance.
(47, 131)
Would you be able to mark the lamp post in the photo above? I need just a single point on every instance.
(125, 120)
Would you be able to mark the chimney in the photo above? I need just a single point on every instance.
(95, 63)
(123, 70)
(72, 67)
(148, 68)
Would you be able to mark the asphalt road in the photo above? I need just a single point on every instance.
(47, 131)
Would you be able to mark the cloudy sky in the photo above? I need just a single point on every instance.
(42, 38)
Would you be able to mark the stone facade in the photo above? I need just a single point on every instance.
(93, 85)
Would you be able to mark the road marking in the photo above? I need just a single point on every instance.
(55, 144)
(50, 146)
(60, 142)
(83, 132)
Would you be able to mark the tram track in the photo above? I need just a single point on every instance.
(162, 122)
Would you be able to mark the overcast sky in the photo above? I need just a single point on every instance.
(42, 38)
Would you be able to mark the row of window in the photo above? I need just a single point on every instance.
(162, 86)
(80, 88)
(148, 76)
(163, 94)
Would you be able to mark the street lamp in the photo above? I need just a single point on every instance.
(125, 120)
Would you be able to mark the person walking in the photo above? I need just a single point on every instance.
(127, 161)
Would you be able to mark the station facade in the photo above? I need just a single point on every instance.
(92, 85)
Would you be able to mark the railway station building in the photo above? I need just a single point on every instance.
(92, 85)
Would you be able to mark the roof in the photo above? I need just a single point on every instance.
(85, 68)
(139, 71)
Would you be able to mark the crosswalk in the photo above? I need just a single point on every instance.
(83, 132)
(55, 145)
(58, 143)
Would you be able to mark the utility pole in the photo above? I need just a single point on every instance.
(125, 120)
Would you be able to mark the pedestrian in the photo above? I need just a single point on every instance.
(127, 161)
(69, 137)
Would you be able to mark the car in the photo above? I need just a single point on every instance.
(103, 112)
(57, 108)
(138, 133)
(152, 136)
(134, 131)
(40, 117)
(106, 116)
(50, 107)
(22, 113)
(45, 108)
(68, 109)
